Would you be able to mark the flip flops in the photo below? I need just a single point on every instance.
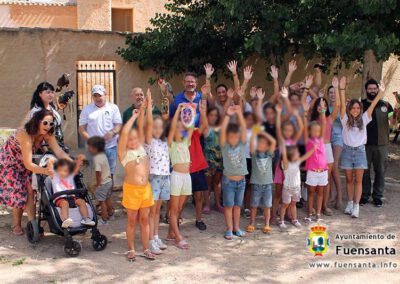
(17, 231)
(182, 244)
(130, 256)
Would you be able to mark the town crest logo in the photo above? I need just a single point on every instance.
(318, 240)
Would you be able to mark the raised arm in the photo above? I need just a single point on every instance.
(318, 76)
(274, 74)
(78, 164)
(145, 107)
(252, 141)
(271, 140)
(322, 115)
(285, 98)
(242, 124)
(165, 109)
(376, 99)
(278, 109)
(299, 124)
(342, 96)
(247, 75)
(335, 111)
(123, 137)
(149, 119)
(308, 154)
(292, 68)
(209, 69)
(305, 127)
(260, 94)
(284, 154)
(203, 117)
(166, 89)
(232, 66)
(307, 90)
(229, 112)
(174, 122)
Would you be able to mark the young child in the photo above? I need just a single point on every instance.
(250, 120)
(316, 164)
(136, 195)
(233, 141)
(354, 159)
(261, 177)
(62, 180)
(291, 162)
(181, 184)
(104, 183)
(157, 149)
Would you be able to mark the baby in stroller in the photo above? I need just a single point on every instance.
(63, 179)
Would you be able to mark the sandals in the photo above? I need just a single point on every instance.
(327, 211)
(206, 210)
(308, 219)
(296, 223)
(228, 235)
(239, 233)
(130, 255)
(318, 218)
(17, 231)
(250, 229)
(182, 244)
(147, 254)
(267, 230)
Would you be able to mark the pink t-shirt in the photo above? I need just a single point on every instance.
(317, 161)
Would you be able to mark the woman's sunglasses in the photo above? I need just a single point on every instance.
(45, 123)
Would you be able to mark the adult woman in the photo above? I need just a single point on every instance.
(337, 147)
(43, 98)
(16, 166)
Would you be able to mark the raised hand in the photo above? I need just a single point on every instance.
(382, 87)
(204, 89)
(240, 92)
(274, 72)
(284, 92)
(80, 157)
(203, 106)
(292, 66)
(260, 94)
(209, 70)
(278, 109)
(335, 82)
(231, 110)
(248, 72)
(165, 104)
(135, 113)
(321, 93)
(309, 81)
(253, 92)
(343, 82)
(232, 66)
(162, 84)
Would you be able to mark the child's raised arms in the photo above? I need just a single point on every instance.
(231, 110)
(149, 119)
(123, 138)
(308, 154)
(335, 111)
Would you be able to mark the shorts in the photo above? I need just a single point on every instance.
(111, 154)
(161, 187)
(290, 194)
(232, 192)
(181, 184)
(329, 153)
(353, 158)
(104, 191)
(261, 195)
(135, 197)
(199, 181)
(337, 136)
(317, 178)
(70, 199)
(249, 166)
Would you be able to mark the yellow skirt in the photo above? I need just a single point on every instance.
(135, 197)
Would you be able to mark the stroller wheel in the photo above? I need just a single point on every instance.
(32, 231)
(99, 242)
(73, 250)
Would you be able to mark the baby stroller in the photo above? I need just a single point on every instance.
(50, 213)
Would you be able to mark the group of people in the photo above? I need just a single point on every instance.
(247, 149)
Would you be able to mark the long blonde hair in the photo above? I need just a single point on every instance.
(354, 121)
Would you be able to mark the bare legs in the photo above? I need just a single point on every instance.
(144, 227)
(176, 206)
(354, 184)
(337, 188)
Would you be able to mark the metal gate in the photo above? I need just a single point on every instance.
(88, 74)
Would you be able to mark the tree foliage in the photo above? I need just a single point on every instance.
(199, 31)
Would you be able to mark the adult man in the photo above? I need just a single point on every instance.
(102, 118)
(137, 96)
(377, 144)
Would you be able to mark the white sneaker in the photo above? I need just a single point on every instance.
(67, 223)
(356, 211)
(282, 225)
(349, 208)
(102, 222)
(88, 222)
(160, 244)
(154, 248)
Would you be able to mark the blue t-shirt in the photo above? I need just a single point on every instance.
(180, 98)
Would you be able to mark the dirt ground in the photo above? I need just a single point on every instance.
(281, 257)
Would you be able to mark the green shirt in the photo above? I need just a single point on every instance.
(128, 114)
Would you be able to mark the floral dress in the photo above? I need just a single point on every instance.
(14, 177)
(212, 151)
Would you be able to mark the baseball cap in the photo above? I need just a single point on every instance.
(98, 89)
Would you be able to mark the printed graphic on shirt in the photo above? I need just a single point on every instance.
(235, 158)
(262, 164)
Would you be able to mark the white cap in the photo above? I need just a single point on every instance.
(98, 89)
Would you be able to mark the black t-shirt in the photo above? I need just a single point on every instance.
(378, 128)
(270, 129)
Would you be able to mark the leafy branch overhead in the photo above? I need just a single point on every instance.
(196, 32)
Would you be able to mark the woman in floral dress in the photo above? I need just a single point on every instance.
(16, 166)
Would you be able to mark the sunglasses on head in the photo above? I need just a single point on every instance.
(45, 123)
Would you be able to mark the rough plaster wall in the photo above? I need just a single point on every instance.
(94, 15)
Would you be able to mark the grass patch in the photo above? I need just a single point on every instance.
(19, 261)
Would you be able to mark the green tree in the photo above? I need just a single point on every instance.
(196, 32)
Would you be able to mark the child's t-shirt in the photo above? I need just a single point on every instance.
(62, 184)
(317, 161)
(157, 150)
(261, 172)
(353, 136)
(197, 158)
(100, 164)
(179, 152)
(292, 179)
(234, 160)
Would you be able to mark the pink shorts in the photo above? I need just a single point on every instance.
(279, 176)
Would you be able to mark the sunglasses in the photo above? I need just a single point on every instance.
(45, 123)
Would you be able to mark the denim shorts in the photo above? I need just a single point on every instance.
(111, 154)
(337, 137)
(161, 187)
(353, 158)
(233, 192)
(261, 195)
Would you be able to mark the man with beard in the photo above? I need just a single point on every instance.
(137, 96)
(377, 144)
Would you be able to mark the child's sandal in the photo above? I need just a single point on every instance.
(239, 233)
(250, 229)
(131, 257)
(228, 235)
(147, 254)
(267, 230)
